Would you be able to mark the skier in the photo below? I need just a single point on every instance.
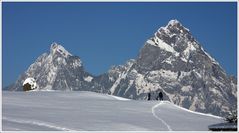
(160, 96)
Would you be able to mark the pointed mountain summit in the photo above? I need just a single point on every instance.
(57, 70)
(174, 44)
(58, 49)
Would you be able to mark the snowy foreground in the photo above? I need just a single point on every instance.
(92, 111)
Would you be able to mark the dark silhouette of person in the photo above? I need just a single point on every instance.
(160, 96)
(149, 96)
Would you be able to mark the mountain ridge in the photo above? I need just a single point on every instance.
(171, 61)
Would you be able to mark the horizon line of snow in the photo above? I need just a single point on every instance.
(194, 112)
(119, 98)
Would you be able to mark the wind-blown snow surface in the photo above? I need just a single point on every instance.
(92, 111)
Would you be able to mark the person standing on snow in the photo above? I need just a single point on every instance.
(160, 96)
(149, 96)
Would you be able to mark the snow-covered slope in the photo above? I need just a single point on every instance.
(79, 110)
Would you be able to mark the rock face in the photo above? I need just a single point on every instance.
(171, 62)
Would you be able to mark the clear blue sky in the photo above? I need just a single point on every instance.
(106, 34)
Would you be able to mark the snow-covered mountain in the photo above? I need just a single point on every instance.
(172, 61)
(57, 70)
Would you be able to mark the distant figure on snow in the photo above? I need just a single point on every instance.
(160, 96)
(149, 96)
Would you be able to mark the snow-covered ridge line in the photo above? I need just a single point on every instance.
(209, 56)
(119, 98)
(210, 115)
(113, 96)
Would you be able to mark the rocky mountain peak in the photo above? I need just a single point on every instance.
(56, 69)
(57, 48)
(172, 36)
(175, 27)
(174, 23)
(175, 63)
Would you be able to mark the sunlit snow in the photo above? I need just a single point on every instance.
(88, 111)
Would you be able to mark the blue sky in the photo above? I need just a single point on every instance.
(106, 34)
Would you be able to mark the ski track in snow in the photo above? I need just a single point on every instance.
(157, 117)
(37, 123)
